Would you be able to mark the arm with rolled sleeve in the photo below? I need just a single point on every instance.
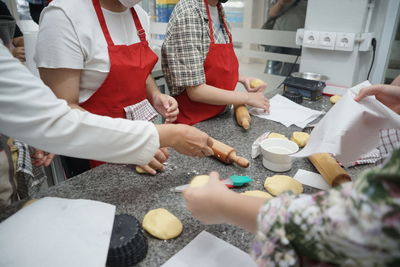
(30, 112)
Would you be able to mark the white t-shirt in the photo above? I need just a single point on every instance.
(70, 36)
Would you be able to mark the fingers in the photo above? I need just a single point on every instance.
(207, 151)
(48, 159)
(161, 155)
(41, 158)
(368, 91)
(165, 151)
(156, 165)
(214, 177)
(172, 110)
(148, 169)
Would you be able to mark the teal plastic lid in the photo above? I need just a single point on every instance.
(238, 180)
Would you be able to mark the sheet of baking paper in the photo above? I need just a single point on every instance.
(208, 250)
(350, 129)
(287, 112)
(311, 179)
(57, 232)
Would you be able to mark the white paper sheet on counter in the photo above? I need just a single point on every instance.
(57, 232)
(312, 179)
(287, 112)
(208, 250)
(350, 129)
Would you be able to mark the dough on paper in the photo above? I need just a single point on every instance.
(300, 138)
(162, 224)
(335, 98)
(257, 193)
(199, 181)
(278, 184)
(276, 135)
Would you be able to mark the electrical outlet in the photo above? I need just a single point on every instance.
(311, 39)
(327, 40)
(344, 41)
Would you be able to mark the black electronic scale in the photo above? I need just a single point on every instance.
(308, 89)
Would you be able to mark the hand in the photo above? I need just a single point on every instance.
(192, 142)
(389, 95)
(167, 106)
(258, 100)
(41, 158)
(19, 53)
(157, 162)
(205, 203)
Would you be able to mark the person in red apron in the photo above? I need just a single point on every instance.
(128, 90)
(203, 88)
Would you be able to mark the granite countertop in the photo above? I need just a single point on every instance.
(137, 194)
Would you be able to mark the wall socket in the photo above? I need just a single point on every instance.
(327, 40)
(345, 41)
(311, 39)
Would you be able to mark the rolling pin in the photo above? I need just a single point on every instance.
(328, 167)
(242, 116)
(227, 154)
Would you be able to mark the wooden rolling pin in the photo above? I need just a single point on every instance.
(328, 167)
(227, 154)
(242, 116)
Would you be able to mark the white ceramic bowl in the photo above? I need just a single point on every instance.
(276, 154)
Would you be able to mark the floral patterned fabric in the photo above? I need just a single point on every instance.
(356, 224)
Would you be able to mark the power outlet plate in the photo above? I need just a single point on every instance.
(327, 40)
(345, 41)
(311, 39)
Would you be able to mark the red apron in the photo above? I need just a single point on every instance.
(221, 69)
(125, 85)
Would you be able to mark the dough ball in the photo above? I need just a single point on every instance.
(276, 135)
(300, 138)
(335, 99)
(278, 184)
(199, 181)
(256, 82)
(29, 202)
(257, 193)
(162, 224)
(140, 170)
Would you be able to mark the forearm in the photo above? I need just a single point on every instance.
(151, 89)
(211, 95)
(241, 210)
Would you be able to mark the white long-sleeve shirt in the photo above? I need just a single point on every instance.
(30, 112)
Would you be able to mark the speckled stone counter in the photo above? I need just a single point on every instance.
(137, 194)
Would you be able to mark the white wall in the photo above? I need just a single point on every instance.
(348, 68)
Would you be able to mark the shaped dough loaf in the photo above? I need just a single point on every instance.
(257, 193)
(162, 224)
(199, 181)
(300, 138)
(278, 184)
(276, 135)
